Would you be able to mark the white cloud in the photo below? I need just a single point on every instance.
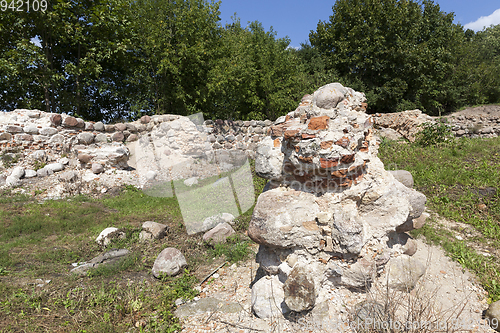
(484, 21)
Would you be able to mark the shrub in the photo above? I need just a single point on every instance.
(434, 133)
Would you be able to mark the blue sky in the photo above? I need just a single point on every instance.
(295, 18)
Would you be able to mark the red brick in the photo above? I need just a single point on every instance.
(346, 159)
(326, 144)
(328, 163)
(343, 142)
(306, 136)
(289, 134)
(318, 123)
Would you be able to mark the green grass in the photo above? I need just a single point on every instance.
(461, 181)
(40, 240)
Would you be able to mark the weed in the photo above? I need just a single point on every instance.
(9, 159)
(234, 249)
(434, 133)
(39, 165)
(3, 271)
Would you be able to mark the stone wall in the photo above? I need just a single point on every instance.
(33, 129)
(34, 145)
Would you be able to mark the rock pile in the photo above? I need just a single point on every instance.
(401, 124)
(330, 214)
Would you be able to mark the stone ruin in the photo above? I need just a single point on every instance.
(330, 216)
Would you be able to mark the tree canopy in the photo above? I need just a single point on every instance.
(119, 59)
(401, 53)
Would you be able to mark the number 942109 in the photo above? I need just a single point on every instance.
(23, 5)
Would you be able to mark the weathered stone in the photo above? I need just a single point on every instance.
(55, 167)
(402, 243)
(120, 127)
(56, 119)
(30, 173)
(170, 262)
(327, 97)
(493, 315)
(219, 233)
(5, 136)
(157, 230)
(359, 275)
(370, 315)
(17, 172)
(299, 289)
(108, 234)
(403, 273)
(131, 127)
(31, 129)
(48, 131)
(132, 137)
(64, 161)
(145, 119)
(101, 137)
(89, 126)
(57, 138)
(23, 137)
(70, 122)
(109, 128)
(12, 181)
(406, 123)
(85, 138)
(108, 258)
(44, 172)
(403, 176)
(97, 168)
(118, 136)
(80, 123)
(99, 126)
(268, 298)
(13, 129)
(213, 221)
(268, 260)
(68, 176)
(84, 158)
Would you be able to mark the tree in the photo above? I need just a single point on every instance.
(70, 58)
(256, 75)
(480, 63)
(401, 52)
(174, 47)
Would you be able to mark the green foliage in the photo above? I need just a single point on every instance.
(234, 249)
(434, 133)
(175, 45)
(79, 65)
(255, 75)
(399, 52)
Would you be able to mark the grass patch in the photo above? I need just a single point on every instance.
(41, 240)
(234, 249)
(460, 179)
